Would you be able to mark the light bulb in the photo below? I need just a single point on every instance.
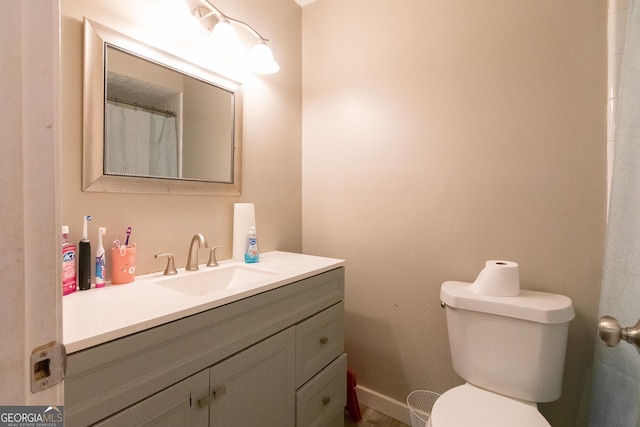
(225, 40)
(174, 17)
(260, 60)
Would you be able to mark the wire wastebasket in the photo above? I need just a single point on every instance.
(420, 403)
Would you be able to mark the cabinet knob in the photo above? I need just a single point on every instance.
(324, 340)
(205, 401)
(326, 400)
(217, 393)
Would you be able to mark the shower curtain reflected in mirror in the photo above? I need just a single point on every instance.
(140, 142)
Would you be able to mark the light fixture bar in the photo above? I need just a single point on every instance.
(260, 59)
(215, 11)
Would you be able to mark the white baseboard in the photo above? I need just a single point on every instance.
(383, 404)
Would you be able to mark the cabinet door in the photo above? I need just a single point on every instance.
(175, 406)
(256, 387)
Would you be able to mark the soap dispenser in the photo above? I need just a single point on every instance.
(252, 255)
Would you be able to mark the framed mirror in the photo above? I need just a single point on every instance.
(154, 123)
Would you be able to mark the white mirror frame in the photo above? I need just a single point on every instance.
(96, 37)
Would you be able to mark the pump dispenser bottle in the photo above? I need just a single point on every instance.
(252, 255)
(84, 258)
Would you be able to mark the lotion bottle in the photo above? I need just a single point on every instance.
(84, 258)
(68, 263)
(100, 267)
(252, 255)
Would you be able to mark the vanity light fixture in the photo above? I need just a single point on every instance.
(175, 18)
(225, 39)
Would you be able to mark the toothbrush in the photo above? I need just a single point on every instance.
(126, 242)
(100, 259)
(84, 258)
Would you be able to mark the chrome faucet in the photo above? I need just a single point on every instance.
(197, 241)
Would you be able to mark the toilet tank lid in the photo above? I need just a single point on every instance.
(541, 307)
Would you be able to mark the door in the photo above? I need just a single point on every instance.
(175, 406)
(615, 387)
(256, 387)
(30, 298)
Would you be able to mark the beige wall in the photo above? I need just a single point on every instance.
(438, 135)
(272, 141)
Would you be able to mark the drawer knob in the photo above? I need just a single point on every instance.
(324, 340)
(205, 401)
(217, 393)
(326, 400)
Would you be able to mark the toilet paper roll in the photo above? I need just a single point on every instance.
(244, 216)
(498, 279)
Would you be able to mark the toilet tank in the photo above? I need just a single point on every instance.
(513, 345)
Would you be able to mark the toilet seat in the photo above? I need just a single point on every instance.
(468, 405)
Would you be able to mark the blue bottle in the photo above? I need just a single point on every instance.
(252, 255)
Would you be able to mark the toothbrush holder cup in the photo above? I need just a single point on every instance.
(123, 265)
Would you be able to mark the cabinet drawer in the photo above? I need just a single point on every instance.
(321, 401)
(319, 340)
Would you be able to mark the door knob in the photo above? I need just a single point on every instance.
(611, 333)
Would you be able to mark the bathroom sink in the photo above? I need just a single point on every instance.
(206, 282)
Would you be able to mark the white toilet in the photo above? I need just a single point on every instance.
(510, 350)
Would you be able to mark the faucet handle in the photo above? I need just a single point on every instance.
(213, 262)
(171, 266)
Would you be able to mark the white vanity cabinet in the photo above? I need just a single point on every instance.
(272, 359)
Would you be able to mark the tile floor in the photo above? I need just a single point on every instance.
(371, 418)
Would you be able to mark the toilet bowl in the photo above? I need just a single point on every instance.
(468, 405)
(509, 350)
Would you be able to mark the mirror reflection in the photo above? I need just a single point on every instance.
(165, 124)
(155, 123)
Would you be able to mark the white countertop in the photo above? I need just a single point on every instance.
(96, 316)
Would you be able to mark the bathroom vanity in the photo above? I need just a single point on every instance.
(266, 350)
